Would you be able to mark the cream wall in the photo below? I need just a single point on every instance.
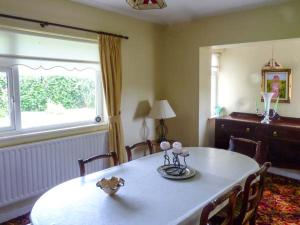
(204, 95)
(181, 72)
(240, 75)
(140, 56)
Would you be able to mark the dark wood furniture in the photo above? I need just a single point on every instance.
(247, 147)
(81, 162)
(231, 197)
(142, 146)
(251, 196)
(280, 140)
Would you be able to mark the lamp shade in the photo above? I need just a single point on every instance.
(161, 110)
(147, 4)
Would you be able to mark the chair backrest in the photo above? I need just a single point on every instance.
(229, 198)
(246, 147)
(82, 162)
(142, 146)
(252, 195)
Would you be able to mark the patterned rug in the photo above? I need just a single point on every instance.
(280, 204)
(22, 220)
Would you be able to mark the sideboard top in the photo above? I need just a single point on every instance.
(253, 118)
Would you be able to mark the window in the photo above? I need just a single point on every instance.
(47, 83)
(6, 120)
(215, 66)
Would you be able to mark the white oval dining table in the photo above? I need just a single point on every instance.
(147, 198)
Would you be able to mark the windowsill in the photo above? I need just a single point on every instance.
(25, 138)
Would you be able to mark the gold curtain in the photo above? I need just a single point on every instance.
(110, 54)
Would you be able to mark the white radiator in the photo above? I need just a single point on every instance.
(31, 169)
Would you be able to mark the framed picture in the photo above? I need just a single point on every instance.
(279, 82)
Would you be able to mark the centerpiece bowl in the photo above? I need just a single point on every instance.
(110, 186)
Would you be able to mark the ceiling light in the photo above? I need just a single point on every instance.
(147, 4)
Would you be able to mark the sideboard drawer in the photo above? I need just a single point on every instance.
(226, 128)
(284, 133)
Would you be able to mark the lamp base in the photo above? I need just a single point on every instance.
(162, 131)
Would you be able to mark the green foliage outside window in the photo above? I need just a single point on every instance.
(35, 93)
(3, 97)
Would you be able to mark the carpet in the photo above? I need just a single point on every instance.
(22, 220)
(280, 204)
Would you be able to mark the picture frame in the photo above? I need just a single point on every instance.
(277, 81)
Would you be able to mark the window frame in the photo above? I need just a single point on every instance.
(10, 96)
(12, 74)
(215, 70)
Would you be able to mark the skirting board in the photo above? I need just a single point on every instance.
(294, 174)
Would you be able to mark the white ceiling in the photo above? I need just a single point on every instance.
(179, 10)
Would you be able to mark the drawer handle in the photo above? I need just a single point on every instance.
(222, 125)
(275, 134)
(248, 129)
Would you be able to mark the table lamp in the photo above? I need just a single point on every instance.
(161, 110)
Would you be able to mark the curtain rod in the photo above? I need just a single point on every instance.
(45, 23)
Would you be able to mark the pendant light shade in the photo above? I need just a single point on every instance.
(147, 4)
(272, 63)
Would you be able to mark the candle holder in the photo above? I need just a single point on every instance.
(178, 169)
(167, 158)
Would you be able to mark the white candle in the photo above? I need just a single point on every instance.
(177, 147)
(165, 145)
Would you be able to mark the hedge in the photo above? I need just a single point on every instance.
(35, 93)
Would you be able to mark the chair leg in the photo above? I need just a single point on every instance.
(252, 221)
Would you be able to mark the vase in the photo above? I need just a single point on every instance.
(267, 103)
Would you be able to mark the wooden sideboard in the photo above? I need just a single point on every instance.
(280, 139)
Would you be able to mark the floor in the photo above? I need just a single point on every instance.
(280, 204)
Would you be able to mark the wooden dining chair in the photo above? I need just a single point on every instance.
(251, 196)
(82, 162)
(142, 146)
(246, 147)
(229, 198)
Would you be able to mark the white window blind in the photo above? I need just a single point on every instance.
(35, 45)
